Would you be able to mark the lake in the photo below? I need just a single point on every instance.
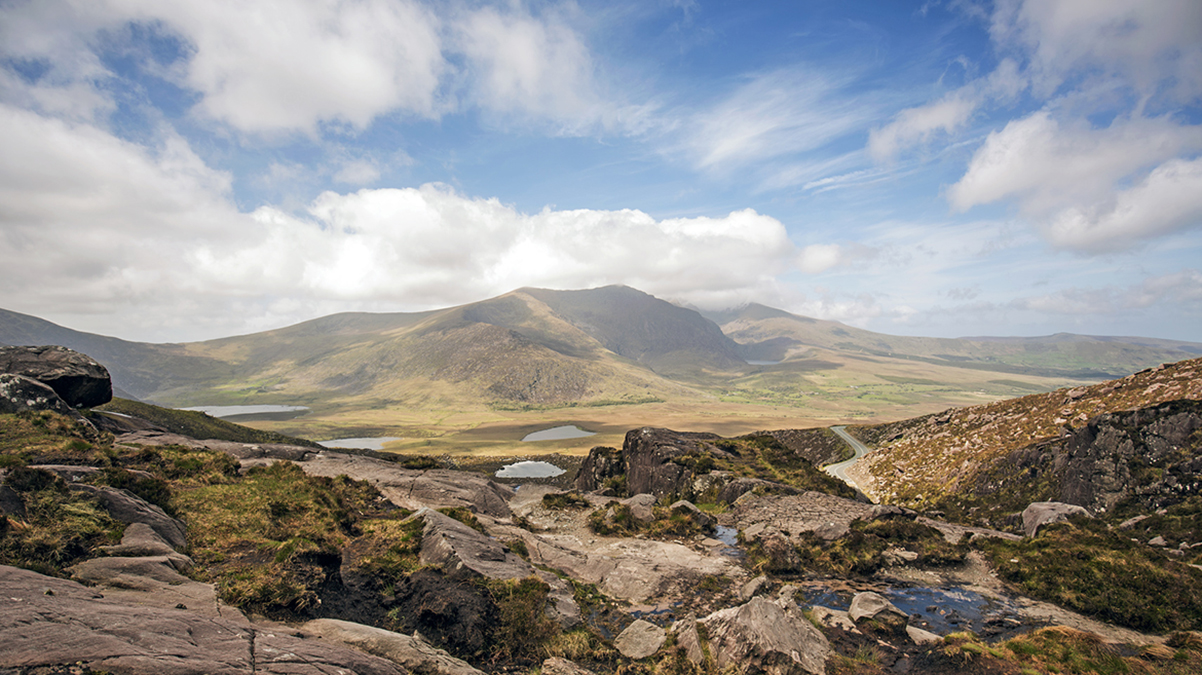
(251, 412)
(557, 434)
(368, 443)
(529, 469)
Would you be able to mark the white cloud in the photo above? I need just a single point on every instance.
(1181, 289)
(357, 172)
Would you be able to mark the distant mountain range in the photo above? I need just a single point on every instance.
(538, 347)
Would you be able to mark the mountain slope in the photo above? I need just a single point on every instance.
(771, 334)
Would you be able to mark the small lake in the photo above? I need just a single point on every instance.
(529, 469)
(252, 412)
(557, 434)
(368, 443)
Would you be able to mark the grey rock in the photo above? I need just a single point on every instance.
(754, 587)
(646, 462)
(411, 652)
(1157, 541)
(734, 489)
(764, 636)
(602, 465)
(1039, 514)
(127, 507)
(922, 637)
(22, 394)
(689, 510)
(869, 605)
(140, 539)
(827, 516)
(642, 507)
(74, 625)
(833, 618)
(640, 640)
(558, 666)
(1132, 522)
(688, 638)
(78, 379)
(459, 550)
(140, 573)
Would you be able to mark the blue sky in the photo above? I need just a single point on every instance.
(188, 170)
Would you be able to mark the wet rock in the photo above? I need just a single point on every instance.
(922, 637)
(79, 380)
(72, 625)
(127, 507)
(411, 652)
(873, 606)
(766, 636)
(1039, 514)
(640, 640)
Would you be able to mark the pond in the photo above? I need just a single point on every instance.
(251, 412)
(939, 610)
(557, 434)
(368, 443)
(529, 469)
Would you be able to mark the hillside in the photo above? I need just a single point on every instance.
(919, 461)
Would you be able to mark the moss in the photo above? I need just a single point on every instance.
(463, 515)
(564, 500)
(60, 528)
(523, 630)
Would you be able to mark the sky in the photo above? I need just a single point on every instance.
(185, 170)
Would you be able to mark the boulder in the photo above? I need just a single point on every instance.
(833, 618)
(1039, 514)
(871, 606)
(640, 640)
(77, 378)
(126, 507)
(603, 465)
(22, 394)
(754, 587)
(922, 638)
(642, 507)
(648, 453)
(730, 492)
(47, 623)
(138, 540)
(413, 653)
(688, 509)
(143, 573)
(766, 636)
(827, 516)
(463, 552)
(688, 638)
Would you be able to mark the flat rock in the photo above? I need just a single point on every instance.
(78, 379)
(140, 539)
(47, 622)
(640, 640)
(922, 637)
(126, 507)
(827, 516)
(413, 653)
(458, 549)
(766, 636)
(833, 618)
(1039, 514)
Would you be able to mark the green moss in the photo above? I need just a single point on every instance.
(564, 500)
(463, 515)
(523, 630)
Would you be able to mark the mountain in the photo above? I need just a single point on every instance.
(443, 375)
(766, 333)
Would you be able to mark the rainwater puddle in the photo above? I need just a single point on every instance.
(730, 537)
(529, 469)
(938, 610)
(557, 434)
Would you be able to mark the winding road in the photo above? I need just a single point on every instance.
(839, 470)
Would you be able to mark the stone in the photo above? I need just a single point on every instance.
(411, 652)
(827, 516)
(754, 587)
(700, 518)
(127, 507)
(602, 466)
(765, 636)
(138, 573)
(559, 666)
(1157, 541)
(71, 625)
(1132, 522)
(688, 638)
(873, 606)
(22, 394)
(833, 618)
(138, 540)
(640, 640)
(731, 491)
(921, 637)
(642, 507)
(463, 552)
(11, 503)
(1039, 514)
(78, 379)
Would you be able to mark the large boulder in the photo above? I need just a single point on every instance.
(411, 652)
(871, 606)
(77, 378)
(22, 394)
(47, 623)
(602, 465)
(648, 453)
(1039, 514)
(766, 636)
(463, 552)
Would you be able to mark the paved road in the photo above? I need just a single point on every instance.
(840, 470)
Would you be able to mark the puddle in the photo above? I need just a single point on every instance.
(529, 469)
(557, 434)
(251, 412)
(730, 537)
(368, 443)
(938, 610)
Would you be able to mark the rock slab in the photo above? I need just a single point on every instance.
(1039, 514)
(766, 636)
(411, 652)
(640, 640)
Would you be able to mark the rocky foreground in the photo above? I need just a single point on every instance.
(131, 549)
